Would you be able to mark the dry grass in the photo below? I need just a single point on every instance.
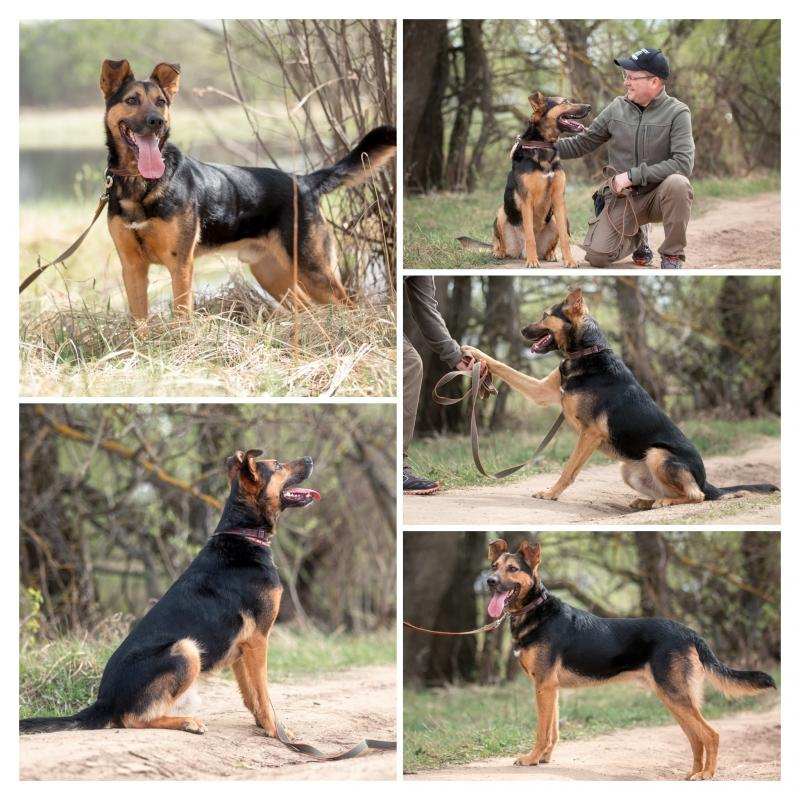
(236, 344)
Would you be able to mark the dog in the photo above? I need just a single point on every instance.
(533, 217)
(218, 613)
(167, 208)
(558, 645)
(608, 409)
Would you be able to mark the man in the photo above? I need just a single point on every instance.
(651, 150)
(421, 295)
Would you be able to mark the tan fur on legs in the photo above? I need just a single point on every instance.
(135, 266)
(553, 738)
(588, 441)
(245, 689)
(531, 256)
(677, 484)
(681, 715)
(547, 708)
(163, 692)
(560, 215)
(498, 239)
(254, 657)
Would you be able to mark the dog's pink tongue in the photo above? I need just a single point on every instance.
(497, 604)
(150, 162)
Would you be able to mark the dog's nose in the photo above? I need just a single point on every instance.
(154, 121)
(492, 582)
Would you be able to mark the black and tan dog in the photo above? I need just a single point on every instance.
(608, 409)
(533, 216)
(218, 613)
(561, 646)
(167, 208)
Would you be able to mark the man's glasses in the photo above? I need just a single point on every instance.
(626, 77)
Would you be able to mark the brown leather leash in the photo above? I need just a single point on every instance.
(480, 388)
(309, 750)
(75, 245)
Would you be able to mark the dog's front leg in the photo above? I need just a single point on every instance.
(588, 442)
(135, 266)
(254, 664)
(546, 709)
(531, 256)
(182, 299)
(560, 215)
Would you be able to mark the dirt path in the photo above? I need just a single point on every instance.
(331, 712)
(731, 233)
(749, 749)
(599, 495)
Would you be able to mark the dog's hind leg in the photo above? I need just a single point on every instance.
(498, 239)
(673, 478)
(170, 678)
(547, 240)
(638, 476)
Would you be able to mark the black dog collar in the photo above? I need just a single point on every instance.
(260, 536)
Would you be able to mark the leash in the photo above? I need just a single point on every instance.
(626, 196)
(480, 388)
(315, 753)
(491, 626)
(76, 244)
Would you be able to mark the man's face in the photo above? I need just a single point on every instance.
(641, 87)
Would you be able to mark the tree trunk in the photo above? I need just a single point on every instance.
(652, 557)
(424, 84)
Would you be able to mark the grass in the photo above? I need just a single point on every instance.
(76, 338)
(457, 725)
(449, 458)
(433, 221)
(61, 676)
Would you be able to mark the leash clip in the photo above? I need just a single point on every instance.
(516, 145)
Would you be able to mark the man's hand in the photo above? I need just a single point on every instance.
(466, 362)
(620, 182)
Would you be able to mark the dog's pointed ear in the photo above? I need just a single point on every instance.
(575, 304)
(496, 549)
(537, 101)
(531, 554)
(251, 466)
(113, 75)
(234, 464)
(167, 76)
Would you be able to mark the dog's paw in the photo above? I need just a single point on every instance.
(548, 495)
(570, 262)
(642, 504)
(194, 725)
(527, 760)
(703, 775)
(531, 262)
(662, 502)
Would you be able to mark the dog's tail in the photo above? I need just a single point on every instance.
(378, 146)
(716, 492)
(731, 682)
(92, 718)
(468, 243)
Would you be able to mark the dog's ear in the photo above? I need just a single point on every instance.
(575, 304)
(531, 554)
(113, 75)
(167, 76)
(496, 549)
(251, 468)
(234, 464)
(537, 101)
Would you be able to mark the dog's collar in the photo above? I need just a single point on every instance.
(530, 144)
(262, 536)
(533, 604)
(571, 355)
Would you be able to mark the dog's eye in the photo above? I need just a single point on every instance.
(161, 101)
(512, 568)
(133, 100)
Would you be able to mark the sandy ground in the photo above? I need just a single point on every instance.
(749, 749)
(600, 495)
(331, 712)
(731, 233)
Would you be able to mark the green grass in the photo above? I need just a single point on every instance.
(61, 676)
(460, 724)
(449, 458)
(433, 221)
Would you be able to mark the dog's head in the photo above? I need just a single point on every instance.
(138, 116)
(513, 577)
(552, 116)
(558, 325)
(261, 490)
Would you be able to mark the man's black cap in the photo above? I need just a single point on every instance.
(646, 59)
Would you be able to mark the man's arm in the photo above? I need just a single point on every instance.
(681, 158)
(581, 144)
(421, 294)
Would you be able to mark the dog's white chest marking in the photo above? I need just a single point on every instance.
(136, 226)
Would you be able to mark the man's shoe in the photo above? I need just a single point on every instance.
(643, 255)
(415, 485)
(671, 262)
